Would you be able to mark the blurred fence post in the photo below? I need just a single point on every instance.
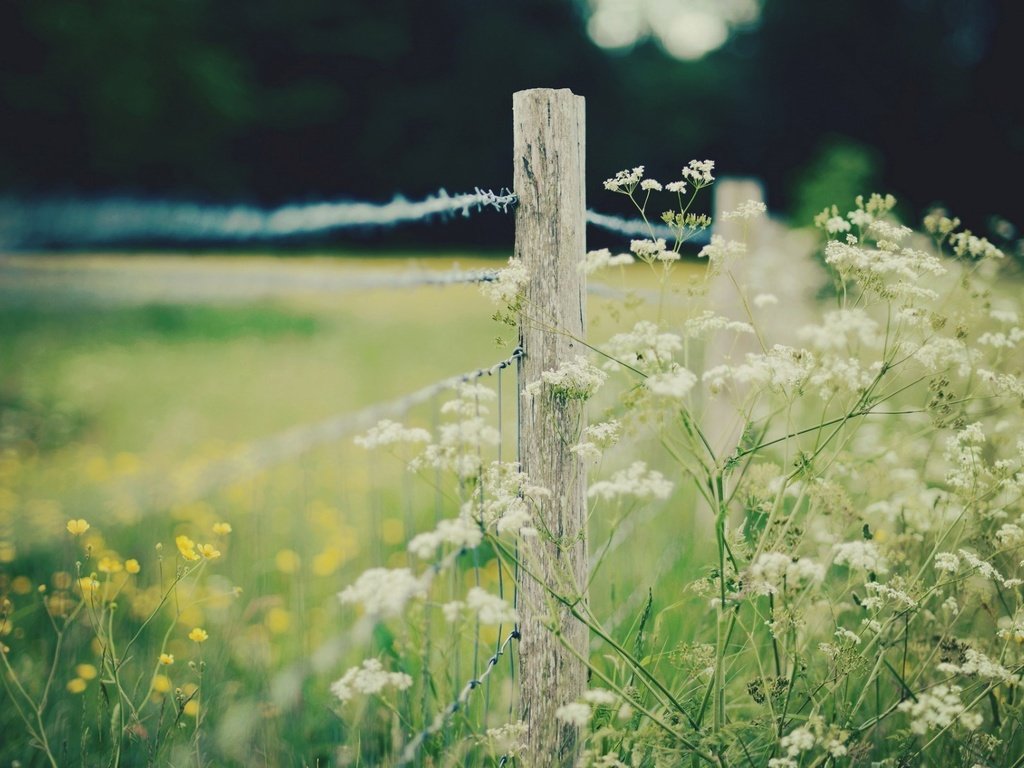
(549, 141)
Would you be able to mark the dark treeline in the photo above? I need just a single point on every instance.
(266, 101)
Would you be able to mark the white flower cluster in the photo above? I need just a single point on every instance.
(698, 172)
(595, 439)
(708, 321)
(939, 708)
(503, 499)
(882, 593)
(674, 384)
(388, 432)
(457, 448)
(600, 259)
(781, 367)
(637, 481)
(860, 554)
(977, 664)
(1002, 340)
(774, 572)
(469, 400)
(865, 264)
(966, 244)
(751, 209)
(625, 181)
(368, 679)
(461, 533)
(964, 453)
(645, 347)
(986, 569)
(805, 738)
(941, 352)
(842, 330)
(384, 592)
(482, 605)
(652, 250)
(574, 713)
(508, 286)
(719, 252)
(572, 380)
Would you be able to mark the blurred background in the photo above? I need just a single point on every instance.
(268, 102)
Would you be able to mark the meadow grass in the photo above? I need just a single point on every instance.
(101, 404)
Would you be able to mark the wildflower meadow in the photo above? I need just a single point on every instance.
(805, 533)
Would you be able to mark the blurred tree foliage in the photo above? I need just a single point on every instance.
(268, 101)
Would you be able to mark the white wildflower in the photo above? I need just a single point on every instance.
(678, 187)
(600, 697)
(797, 741)
(573, 380)
(774, 571)
(625, 181)
(383, 592)
(1010, 535)
(842, 329)
(388, 432)
(490, 609)
(707, 321)
(370, 678)
(676, 383)
(720, 251)
(461, 533)
(860, 554)
(650, 184)
(638, 481)
(698, 172)
(508, 285)
(574, 713)
(596, 439)
(597, 260)
(947, 561)
(938, 709)
(751, 209)
(644, 347)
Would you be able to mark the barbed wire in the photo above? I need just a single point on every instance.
(192, 483)
(85, 222)
(71, 221)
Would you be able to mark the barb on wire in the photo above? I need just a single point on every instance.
(413, 746)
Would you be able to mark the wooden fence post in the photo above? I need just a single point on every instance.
(549, 142)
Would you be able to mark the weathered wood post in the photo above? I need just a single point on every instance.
(551, 240)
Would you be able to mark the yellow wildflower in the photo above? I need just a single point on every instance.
(167, 659)
(198, 635)
(110, 565)
(132, 566)
(77, 527)
(76, 685)
(222, 529)
(87, 584)
(86, 671)
(161, 684)
(287, 561)
(186, 547)
(191, 708)
(209, 551)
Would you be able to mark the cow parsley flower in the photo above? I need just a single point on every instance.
(637, 480)
(490, 609)
(860, 554)
(598, 260)
(574, 713)
(572, 380)
(675, 384)
(383, 592)
(773, 572)
(625, 181)
(370, 678)
(388, 432)
(645, 347)
(461, 533)
(507, 287)
(751, 209)
(937, 709)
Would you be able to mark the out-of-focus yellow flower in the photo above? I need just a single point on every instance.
(167, 659)
(191, 708)
(21, 585)
(186, 547)
(278, 620)
(132, 566)
(77, 527)
(222, 529)
(86, 671)
(198, 635)
(88, 584)
(110, 565)
(287, 561)
(209, 551)
(161, 683)
(76, 685)
(7, 551)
